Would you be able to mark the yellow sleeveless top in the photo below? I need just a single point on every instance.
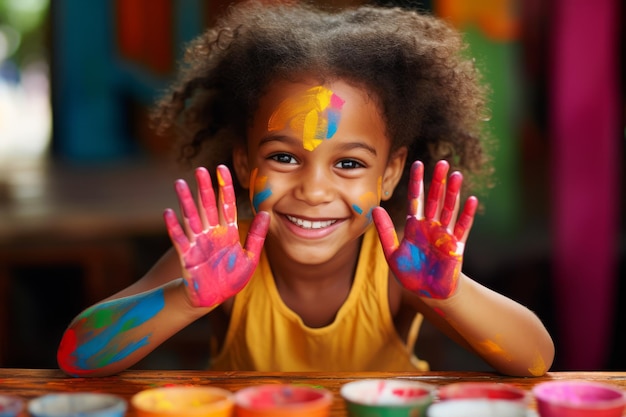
(266, 335)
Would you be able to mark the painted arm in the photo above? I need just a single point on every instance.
(116, 333)
(427, 262)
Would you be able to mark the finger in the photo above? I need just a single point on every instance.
(386, 231)
(188, 207)
(416, 190)
(436, 191)
(176, 233)
(208, 207)
(257, 233)
(227, 195)
(451, 199)
(466, 219)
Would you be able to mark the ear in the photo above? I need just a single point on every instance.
(241, 165)
(393, 172)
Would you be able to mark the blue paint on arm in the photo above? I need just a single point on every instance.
(133, 312)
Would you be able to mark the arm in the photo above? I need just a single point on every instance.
(427, 262)
(119, 331)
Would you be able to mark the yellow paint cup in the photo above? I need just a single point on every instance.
(184, 401)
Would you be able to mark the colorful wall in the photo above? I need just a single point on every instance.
(551, 234)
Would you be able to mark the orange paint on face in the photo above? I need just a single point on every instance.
(259, 189)
(315, 115)
(366, 204)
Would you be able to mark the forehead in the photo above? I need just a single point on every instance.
(282, 90)
(359, 112)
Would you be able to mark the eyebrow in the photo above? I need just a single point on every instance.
(297, 142)
(279, 138)
(359, 145)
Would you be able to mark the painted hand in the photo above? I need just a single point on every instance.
(429, 258)
(215, 265)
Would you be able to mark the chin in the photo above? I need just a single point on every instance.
(303, 254)
(309, 257)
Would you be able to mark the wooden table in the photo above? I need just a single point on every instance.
(31, 383)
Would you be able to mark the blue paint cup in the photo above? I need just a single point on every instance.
(80, 404)
(10, 406)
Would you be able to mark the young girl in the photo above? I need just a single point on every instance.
(322, 117)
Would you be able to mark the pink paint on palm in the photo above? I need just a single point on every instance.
(215, 265)
(437, 187)
(429, 258)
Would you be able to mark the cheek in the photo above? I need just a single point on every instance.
(260, 189)
(365, 202)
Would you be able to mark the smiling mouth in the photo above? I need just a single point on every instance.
(307, 224)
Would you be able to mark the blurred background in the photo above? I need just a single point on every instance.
(83, 180)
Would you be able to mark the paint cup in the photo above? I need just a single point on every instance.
(577, 398)
(183, 401)
(480, 399)
(387, 398)
(10, 406)
(282, 400)
(77, 404)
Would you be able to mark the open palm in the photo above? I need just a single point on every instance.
(428, 259)
(214, 263)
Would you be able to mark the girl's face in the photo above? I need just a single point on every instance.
(318, 160)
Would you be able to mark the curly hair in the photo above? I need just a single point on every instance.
(414, 65)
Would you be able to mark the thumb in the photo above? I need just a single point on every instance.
(386, 231)
(257, 233)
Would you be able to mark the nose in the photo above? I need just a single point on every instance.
(316, 186)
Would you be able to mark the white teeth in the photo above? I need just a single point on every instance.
(307, 224)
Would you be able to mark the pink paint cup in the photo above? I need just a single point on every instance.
(282, 400)
(480, 399)
(578, 398)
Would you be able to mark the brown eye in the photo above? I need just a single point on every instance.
(349, 164)
(283, 158)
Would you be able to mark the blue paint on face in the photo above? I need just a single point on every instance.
(357, 209)
(260, 198)
(333, 123)
(369, 215)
